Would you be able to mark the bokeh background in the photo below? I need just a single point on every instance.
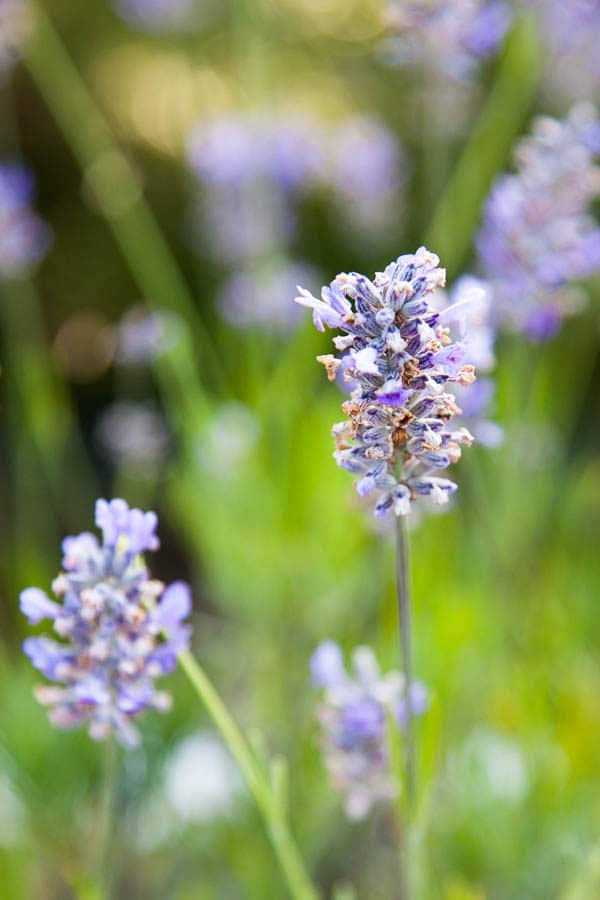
(193, 163)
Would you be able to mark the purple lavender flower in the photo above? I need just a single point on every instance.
(252, 169)
(24, 238)
(571, 31)
(449, 35)
(15, 21)
(120, 629)
(367, 170)
(355, 716)
(159, 15)
(538, 237)
(395, 346)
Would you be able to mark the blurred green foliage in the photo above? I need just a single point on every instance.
(279, 552)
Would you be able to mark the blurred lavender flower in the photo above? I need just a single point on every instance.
(467, 310)
(24, 238)
(355, 717)
(251, 168)
(397, 348)
(367, 170)
(142, 336)
(254, 170)
(133, 434)
(159, 15)
(257, 296)
(571, 31)
(122, 629)
(452, 36)
(15, 22)
(538, 236)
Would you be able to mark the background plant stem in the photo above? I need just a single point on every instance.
(286, 851)
(117, 191)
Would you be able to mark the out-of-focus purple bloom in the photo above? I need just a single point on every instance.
(233, 150)
(15, 22)
(161, 15)
(571, 32)
(256, 297)
(133, 434)
(24, 237)
(327, 665)
(367, 170)
(142, 336)
(398, 349)
(355, 713)
(255, 169)
(120, 629)
(449, 35)
(538, 236)
(467, 309)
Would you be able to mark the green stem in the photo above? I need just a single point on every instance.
(272, 811)
(116, 188)
(103, 840)
(404, 621)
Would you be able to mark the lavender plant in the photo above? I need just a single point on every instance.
(120, 629)
(356, 714)
(538, 237)
(24, 237)
(396, 347)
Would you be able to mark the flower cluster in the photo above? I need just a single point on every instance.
(452, 36)
(355, 716)
(398, 350)
(121, 629)
(255, 172)
(24, 238)
(538, 236)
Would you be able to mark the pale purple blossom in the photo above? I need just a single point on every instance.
(257, 295)
(24, 237)
(539, 237)
(571, 33)
(15, 22)
(161, 15)
(452, 36)
(119, 630)
(399, 351)
(356, 713)
(133, 434)
(254, 171)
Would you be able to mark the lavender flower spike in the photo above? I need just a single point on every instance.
(355, 714)
(120, 629)
(398, 351)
